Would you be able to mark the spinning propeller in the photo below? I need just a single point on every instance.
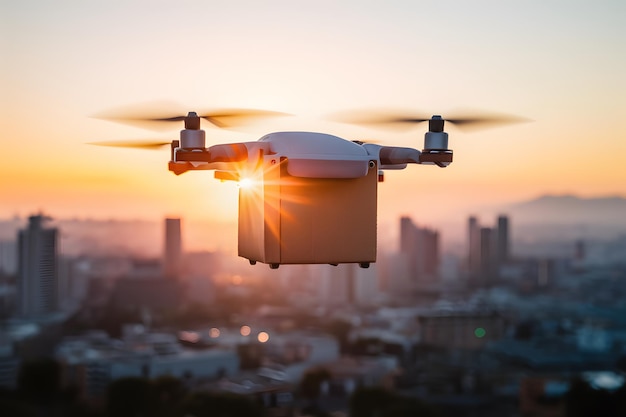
(157, 120)
(436, 123)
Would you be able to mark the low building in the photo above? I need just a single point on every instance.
(9, 364)
(147, 293)
(91, 362)
(461, 330)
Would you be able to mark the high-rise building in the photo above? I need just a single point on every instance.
(8, 257)
(579, 250)
(407, 234)
(502, 240)
(473, 242)
(366, 286)
(346, 285)
(421, 246)
(336, 284)
(397, 278)
(173, 249)
(37, 269)
(488, 263)
(488, 249)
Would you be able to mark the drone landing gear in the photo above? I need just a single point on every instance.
(276, 265)
(361, 264)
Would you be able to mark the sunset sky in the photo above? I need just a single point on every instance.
(561, 64)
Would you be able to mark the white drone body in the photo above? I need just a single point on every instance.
(312, 197)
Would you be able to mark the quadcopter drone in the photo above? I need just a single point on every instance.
(309, 198)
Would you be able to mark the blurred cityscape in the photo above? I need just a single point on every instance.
(491, 326)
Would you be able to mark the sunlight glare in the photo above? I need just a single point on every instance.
(246, 183)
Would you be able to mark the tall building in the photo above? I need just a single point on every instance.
(397, 278)
(579, 250)
(37, 269)
(488, 264)
(336, 284)
(173, 249)
(344, 284)
(366, 286)
(488, 249)
(8, 257)
(473, 243)
(407, 234)
(421, 246)
(502, 240)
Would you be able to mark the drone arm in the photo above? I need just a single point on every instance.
(184, 160)
(231, 152)
(391, 155)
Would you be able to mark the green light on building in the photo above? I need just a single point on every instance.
(480, 332)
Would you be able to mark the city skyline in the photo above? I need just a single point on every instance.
(66, 62)
(418, 325)
(540, 221)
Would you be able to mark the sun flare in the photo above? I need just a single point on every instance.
(246, 183)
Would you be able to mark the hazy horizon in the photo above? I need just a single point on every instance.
(68, 61)
(543, 222)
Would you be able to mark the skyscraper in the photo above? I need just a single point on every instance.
(407, 235)
(488, 264)
(421, 247)
(8, 257)
(488, 250)
(37, 269)
(502, 240)
(173, 248)
(473, 256)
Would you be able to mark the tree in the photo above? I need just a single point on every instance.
(340, 329)
(131, 397)
(205, 404)
(39, 381)
(311, 383)
(16, 408)
(40, 393)
(169, 393)
(378, 402)
(583, 400)
(369, 402)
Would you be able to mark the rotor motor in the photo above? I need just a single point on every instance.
(192, 139)
(436, 139)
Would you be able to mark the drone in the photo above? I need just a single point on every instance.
(304, 197)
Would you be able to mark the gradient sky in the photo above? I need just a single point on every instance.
(559, 63)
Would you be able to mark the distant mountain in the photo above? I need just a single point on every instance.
(567, 209)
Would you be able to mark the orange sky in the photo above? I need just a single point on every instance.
(560, 64)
